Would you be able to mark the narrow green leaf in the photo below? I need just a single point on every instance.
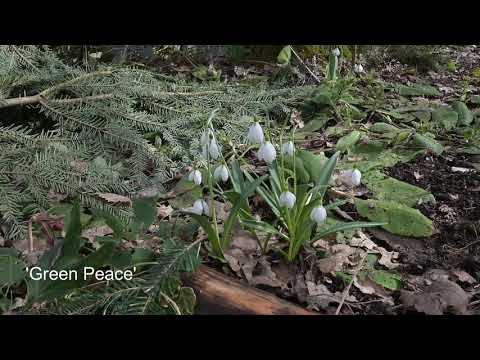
(228, 226)
(71, 246)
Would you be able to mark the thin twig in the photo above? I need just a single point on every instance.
(30, 236)
(35, 99)
(305, 65)
(347, 290)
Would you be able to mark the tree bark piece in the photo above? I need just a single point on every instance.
(218, 294)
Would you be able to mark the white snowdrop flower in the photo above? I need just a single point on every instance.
(200, 207)
(287, 199)
(196, 177)
(288, 148)
(205, 151)
(267, 152)
(221, 172)
(213, 150)
(358, 68)
(318, 214)
(205, 138)
(197, 208)
(336, 52)
(351, 177)
(255, 134)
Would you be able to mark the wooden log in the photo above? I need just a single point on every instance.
(218, 294)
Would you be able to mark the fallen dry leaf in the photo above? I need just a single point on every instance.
(340, 255)
(464, 277)
(164, 211)
(93, 232)
(438, 298)
(56, 196)
(244, 241)
(265, 275)
(222, 210)
(362, 240)
(115, 198)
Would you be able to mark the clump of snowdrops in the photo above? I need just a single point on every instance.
(299, 209)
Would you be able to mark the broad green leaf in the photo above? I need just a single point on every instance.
(312, 163)
(387, 188)
(399, 219)
(387, 279)
(284, 56)
(317, 123)
(465, 116)
(475, 99)
(418, 90)
(446, 117)
(428, 143)
(346, 142)
(382, 128)
(424, 116)
(345, 226)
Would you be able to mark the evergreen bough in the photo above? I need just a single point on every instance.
(84, 131)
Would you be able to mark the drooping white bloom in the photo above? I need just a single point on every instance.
(318, 214)
(213, 150)
(196, 177)
(205, 138)
(336, 52)
(267, 152)
(358, 68)
(255, 134)
(197, 207)
(221, 172)
(200, 207)
(351, 177)
(287, 199)
(205, 151)
(288, 148)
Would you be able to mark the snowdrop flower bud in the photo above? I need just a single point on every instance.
(336, 52)
(221, 172)
(214, 151)
(255, 134)
(196, 177)
(287, 199)
(267, 152)
(318, 214)
(288, 149)
(358, 68)
(200, 207)
(351, 177)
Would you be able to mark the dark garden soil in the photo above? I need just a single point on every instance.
(456, 214)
